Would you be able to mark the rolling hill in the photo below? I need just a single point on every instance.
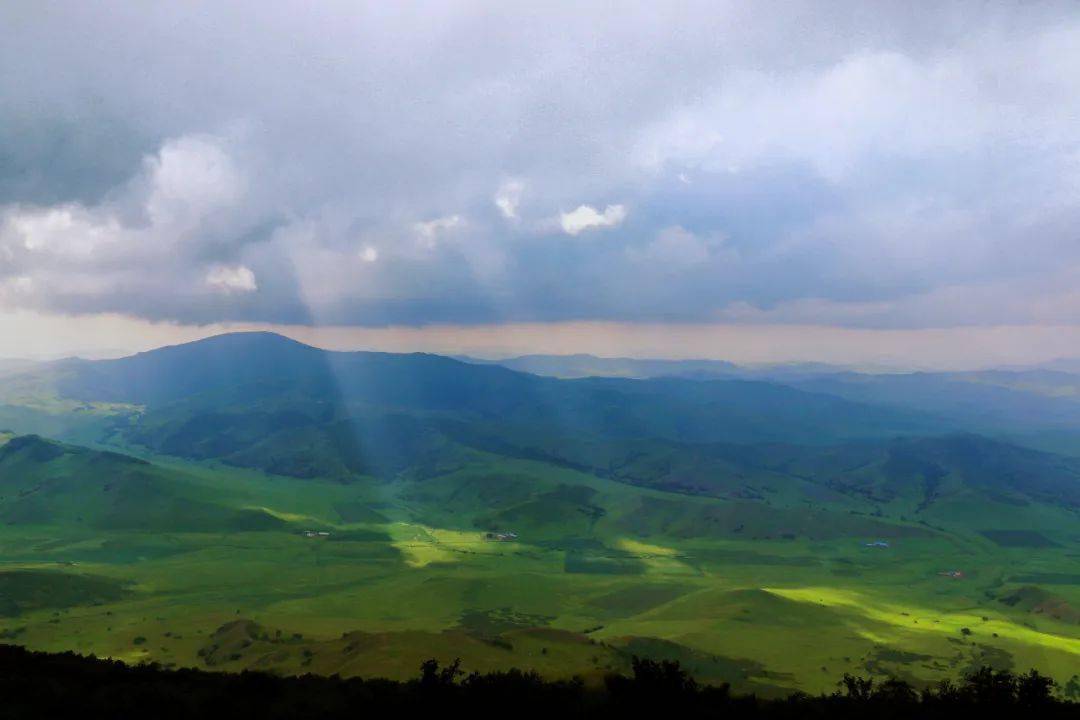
(261, 400)
(43, 482)
(299, 510)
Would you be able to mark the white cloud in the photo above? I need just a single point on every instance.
(369, 253)
(183, 186)
(65, 231)
(508, 198)
(231, 279)
(189, 178)
(429, 230)
(586, 217)
(152, 236)
(869, 105)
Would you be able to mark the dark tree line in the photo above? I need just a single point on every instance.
(43, 685)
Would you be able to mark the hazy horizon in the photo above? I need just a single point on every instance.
(446, 342)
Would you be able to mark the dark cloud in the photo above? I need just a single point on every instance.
(849, 163)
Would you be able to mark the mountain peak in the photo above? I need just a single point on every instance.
(244, 340)
(35, 447)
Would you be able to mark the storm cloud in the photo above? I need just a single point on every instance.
(862, 165)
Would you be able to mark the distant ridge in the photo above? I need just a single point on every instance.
(581, 365)
(264, 400)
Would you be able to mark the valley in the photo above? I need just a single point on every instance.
(249, 502)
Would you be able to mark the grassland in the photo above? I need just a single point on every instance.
(772, 594)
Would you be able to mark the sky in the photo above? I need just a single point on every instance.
(893, 183)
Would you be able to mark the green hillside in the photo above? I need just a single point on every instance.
(217, 569)
(49, 483)
(251, 502)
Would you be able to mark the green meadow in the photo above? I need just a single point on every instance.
(372, 577)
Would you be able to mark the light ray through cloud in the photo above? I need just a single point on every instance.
(884, 169)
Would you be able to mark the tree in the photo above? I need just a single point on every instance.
(857, 688)
(1034, 690)
(990, 687)
(896, 692)
(664, 676)
(434, 677)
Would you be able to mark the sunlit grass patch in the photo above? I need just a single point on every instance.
(657, 559)
(421, 545)
(917, 619)
(643, 549)
(289, 517)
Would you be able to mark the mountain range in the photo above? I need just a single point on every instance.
(248, 501)
(262, 401)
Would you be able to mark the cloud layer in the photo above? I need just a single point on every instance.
(368, 164)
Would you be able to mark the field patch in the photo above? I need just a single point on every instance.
(1038, 601)
(27, 590)
(364, 535)
(359, 512)
(490, 624)
(636, 599)
(1047, 578)
(602, 562)
(947, 623)
(1018, 538)
(124, 550)
(740, 520)
(643, 549)
(566, 509)
(245, 644)
(421, 545)
(659, 560)
(742, 556)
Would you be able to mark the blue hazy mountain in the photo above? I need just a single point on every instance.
(262, 399)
